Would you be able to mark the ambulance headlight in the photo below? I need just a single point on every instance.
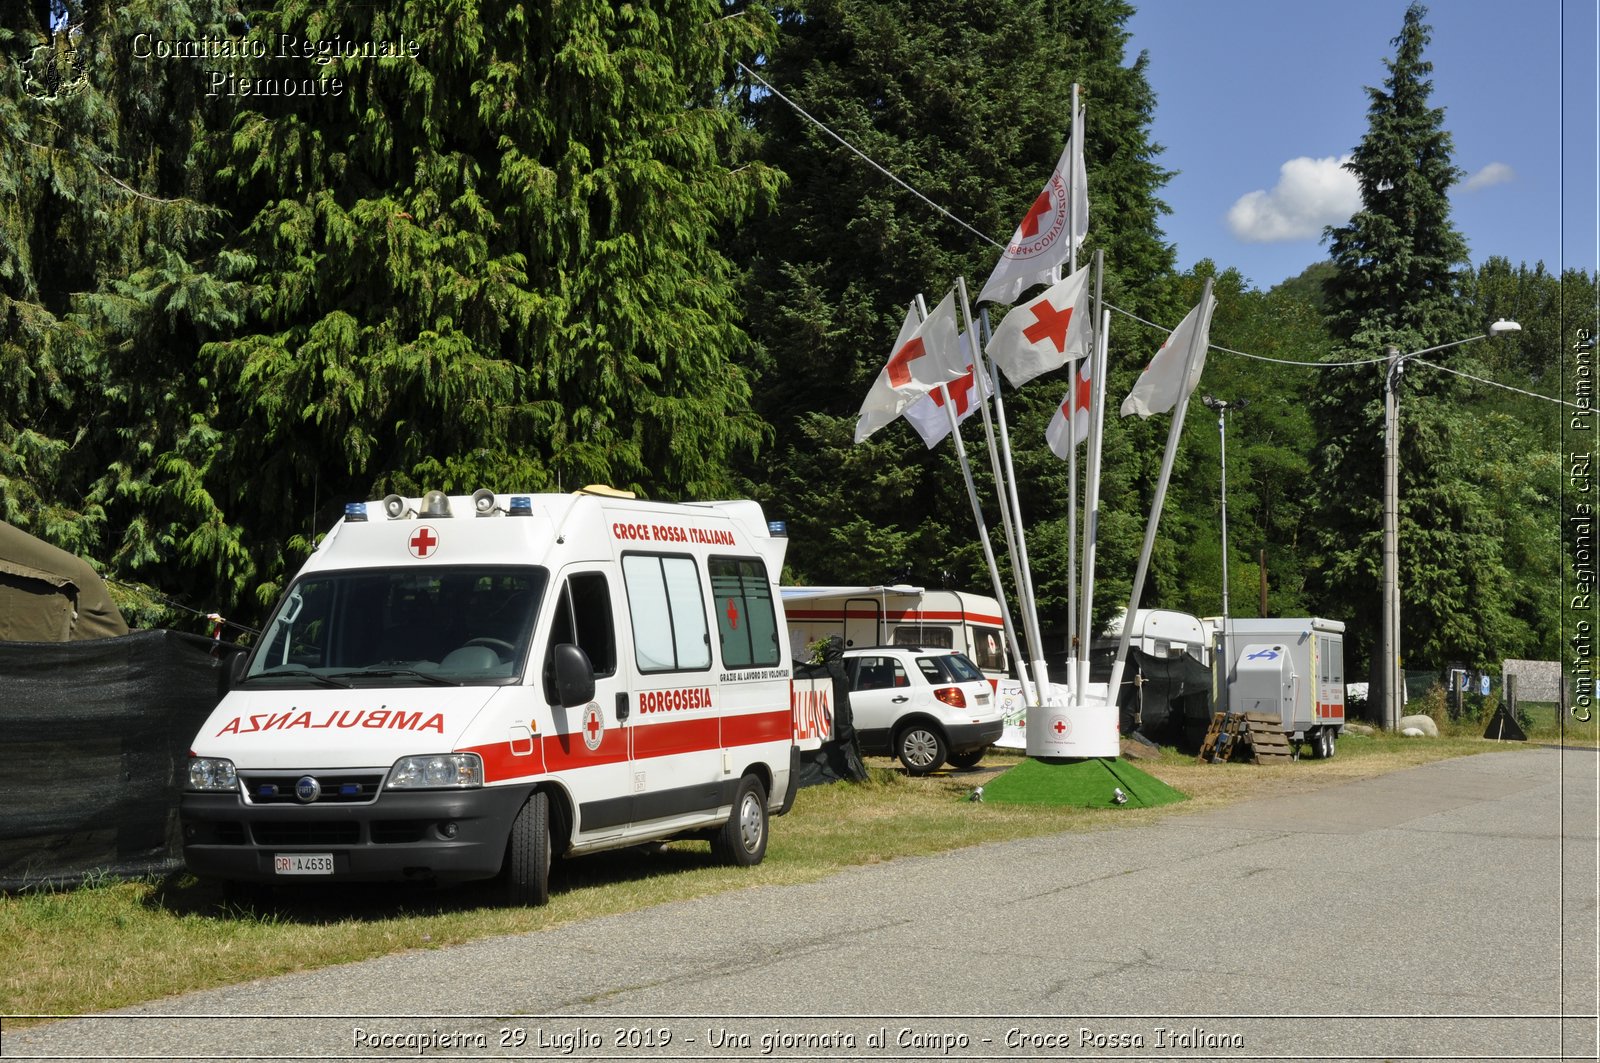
(212, 774)
(440, 771)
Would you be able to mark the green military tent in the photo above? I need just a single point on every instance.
(49, 595)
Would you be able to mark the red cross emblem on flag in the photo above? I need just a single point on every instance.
(423, 541)
(593, 726)
(900, 363)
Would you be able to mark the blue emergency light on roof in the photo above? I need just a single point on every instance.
(354, 511)
(778, 527)
(521, 506)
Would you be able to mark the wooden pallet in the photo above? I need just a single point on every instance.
(1252, 736)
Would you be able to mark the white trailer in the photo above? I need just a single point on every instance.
(900, 615)
(1289, 667)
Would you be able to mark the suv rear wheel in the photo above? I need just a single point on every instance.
(920, 748)
(969, 759)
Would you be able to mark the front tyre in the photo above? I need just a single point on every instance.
(920, 748)
(525, 877)
(742, 841)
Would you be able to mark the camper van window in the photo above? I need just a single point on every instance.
(918, 635)
(988, 649)
(668, 611)
(583, 618)
(747, 624)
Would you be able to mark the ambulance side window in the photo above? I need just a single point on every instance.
(747, 625)
(668, 613)
(583, 618)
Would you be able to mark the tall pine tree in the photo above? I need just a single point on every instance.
(970, 105)
(1397, 281)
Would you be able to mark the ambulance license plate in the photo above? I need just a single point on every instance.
(303, 863)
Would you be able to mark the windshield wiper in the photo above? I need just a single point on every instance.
(390, 673)
(299, 672)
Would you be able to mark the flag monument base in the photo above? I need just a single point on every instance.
(1075, 727)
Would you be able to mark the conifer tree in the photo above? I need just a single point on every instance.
(1397, 282)
(971, 106)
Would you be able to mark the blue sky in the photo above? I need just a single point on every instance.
(1258, 100)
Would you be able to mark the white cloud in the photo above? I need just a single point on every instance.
(1310, 194)
(1496, 173)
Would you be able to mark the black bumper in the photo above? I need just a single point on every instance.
(963, 737)
(399, 836)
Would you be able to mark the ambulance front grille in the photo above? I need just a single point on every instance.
(284, 832)
(278, 788)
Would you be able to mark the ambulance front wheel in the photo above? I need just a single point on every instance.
(525, 878)
(742, 841)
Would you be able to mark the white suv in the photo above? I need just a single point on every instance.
(922, 705)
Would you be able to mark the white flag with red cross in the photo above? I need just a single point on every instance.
(924, 357)
(927, 414)
(1074, 408)
(1045, 332)
(1164, 381)
(1041, 242)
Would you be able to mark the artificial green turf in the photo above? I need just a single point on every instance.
(1086, 783)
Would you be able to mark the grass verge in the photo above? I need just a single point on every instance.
(111, 944)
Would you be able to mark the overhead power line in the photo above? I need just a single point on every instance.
(1132, 316)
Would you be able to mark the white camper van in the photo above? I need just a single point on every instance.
(457, 687)
(900, 615)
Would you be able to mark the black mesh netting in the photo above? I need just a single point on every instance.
(1167, 699)
(93, 737)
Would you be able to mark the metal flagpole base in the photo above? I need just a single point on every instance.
(1075, 727)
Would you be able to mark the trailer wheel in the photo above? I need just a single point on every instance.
(1331, 744)
(1314, 742)
(920, 748)
(742, 841)
(525, 877)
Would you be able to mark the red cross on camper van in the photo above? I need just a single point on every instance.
(423, 541)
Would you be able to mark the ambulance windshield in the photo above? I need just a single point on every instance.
(461, 625)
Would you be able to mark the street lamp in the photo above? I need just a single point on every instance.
(1222, 406)
(1393, 677)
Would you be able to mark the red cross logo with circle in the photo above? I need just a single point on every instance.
(1059, 727)
(593, 726)
(423, 541)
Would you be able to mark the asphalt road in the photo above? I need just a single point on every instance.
(1446, 912)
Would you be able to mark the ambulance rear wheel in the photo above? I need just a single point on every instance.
(525, 878)
(920, 748)
(742, 841)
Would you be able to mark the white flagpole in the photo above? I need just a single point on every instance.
(1073, 177)
(1006, 493)
(1202, 330)
(1091, 504)
(977, 513)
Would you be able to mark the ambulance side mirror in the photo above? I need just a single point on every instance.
(574, 675)
(233, 671)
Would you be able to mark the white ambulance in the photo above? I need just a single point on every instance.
(456, 688)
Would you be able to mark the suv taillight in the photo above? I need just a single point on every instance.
(951, 696)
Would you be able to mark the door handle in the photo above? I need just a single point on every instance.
(899, 698)
(622, 705)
